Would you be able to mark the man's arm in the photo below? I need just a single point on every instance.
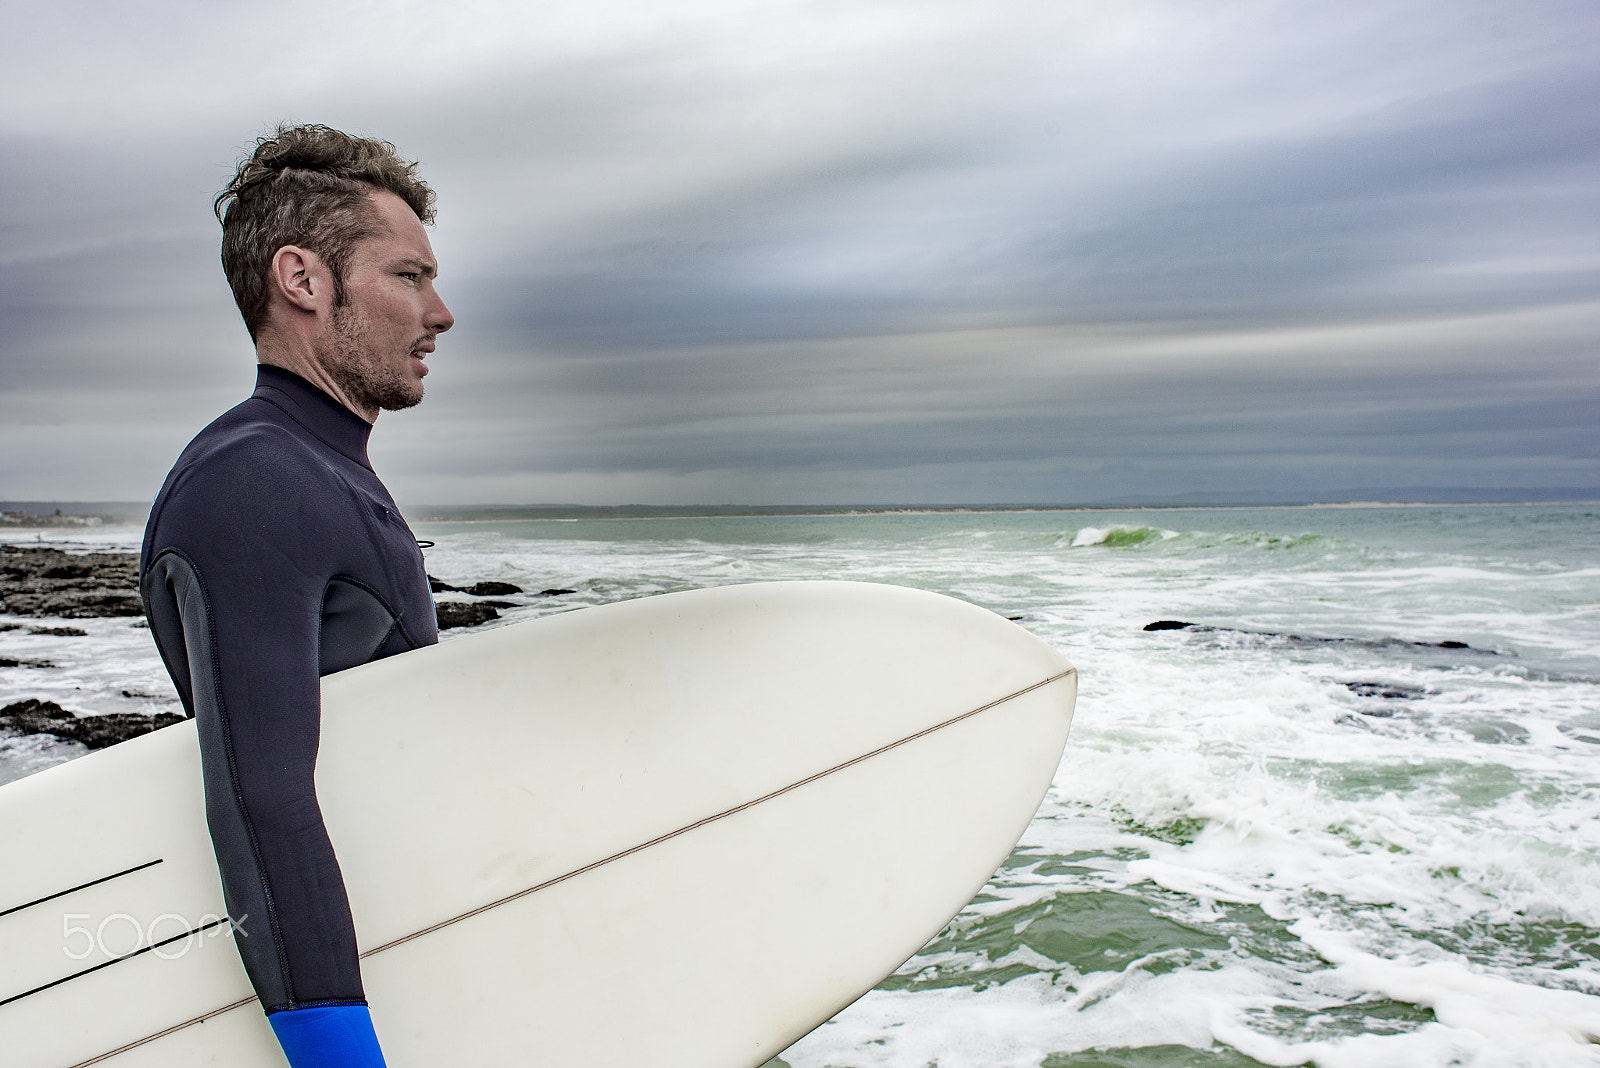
(234, 587)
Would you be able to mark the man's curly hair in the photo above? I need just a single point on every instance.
(307, 186)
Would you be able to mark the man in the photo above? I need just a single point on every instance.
(274, 555)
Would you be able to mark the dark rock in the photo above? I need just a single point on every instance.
(1393, 690)
(41, 581)
(492, 589)
(499, 604)
(1304, 639)
(59, 632)
(555, 593)
(96, 732)
(464, 614)
(10, 626)
(11, 661)
(72, 604)
(477, 589)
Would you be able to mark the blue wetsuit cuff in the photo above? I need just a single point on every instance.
(328, 1036)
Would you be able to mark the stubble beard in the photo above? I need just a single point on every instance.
(358, 370)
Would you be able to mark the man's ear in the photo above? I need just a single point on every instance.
(300, 277)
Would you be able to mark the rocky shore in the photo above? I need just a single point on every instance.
(474, 613)
(44, 581)
(40, 581)
(96, 732)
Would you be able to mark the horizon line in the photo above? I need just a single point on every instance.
(130, 511)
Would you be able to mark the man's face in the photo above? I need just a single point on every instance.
(376, 342)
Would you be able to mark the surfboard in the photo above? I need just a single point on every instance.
(678, 831)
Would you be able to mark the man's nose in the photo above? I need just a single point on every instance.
(439, 318)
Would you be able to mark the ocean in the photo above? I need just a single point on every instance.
(1347, 818)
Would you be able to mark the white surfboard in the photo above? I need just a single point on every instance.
(678, 831)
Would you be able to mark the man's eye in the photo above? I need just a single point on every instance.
(412, 275)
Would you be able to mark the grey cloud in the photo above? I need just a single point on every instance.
(1331, 223)
(864, 404)
(1050, 252)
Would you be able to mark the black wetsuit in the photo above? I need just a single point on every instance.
(274, 556)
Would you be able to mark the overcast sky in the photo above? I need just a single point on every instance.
(713, 252)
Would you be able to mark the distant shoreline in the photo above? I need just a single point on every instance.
(569, 513)
(114, 514)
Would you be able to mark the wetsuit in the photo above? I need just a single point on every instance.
(274, 556)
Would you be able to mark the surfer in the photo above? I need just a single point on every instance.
(274, 555)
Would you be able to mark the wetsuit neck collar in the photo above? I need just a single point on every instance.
(325, 418)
